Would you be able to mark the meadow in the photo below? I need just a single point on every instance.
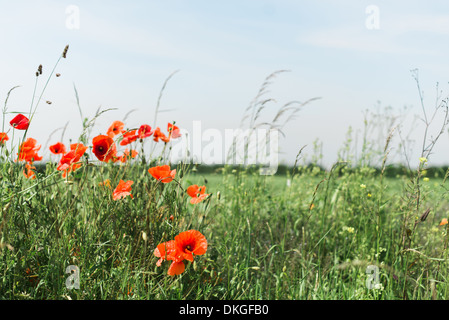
(104, 221)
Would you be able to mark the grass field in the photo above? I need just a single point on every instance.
(313, 239)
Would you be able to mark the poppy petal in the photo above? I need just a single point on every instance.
(176, 268)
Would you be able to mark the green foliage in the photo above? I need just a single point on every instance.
(312, 239)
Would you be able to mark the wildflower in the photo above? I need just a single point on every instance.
(426, 179)
(122, 190)
(190, 243)
(379, 286)
(20, 122)
(32, 279)
(79, 148)
(69, 161)
(162, 173)
(29, 173)
(144, 131)
(443, 222)
(348, 229)
(422, 160)
(128, 137)
(115, 128)
(197, 193)
(3, 138)
(58, 148)
(127, 155)
(157, 134)
(369, 195)
(28, 151)
(183, 247)
(173, 131)
(362, 186)
(167, 251)
(105, 183)
(104, 148)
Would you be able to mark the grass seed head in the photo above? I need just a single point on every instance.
(64, 53)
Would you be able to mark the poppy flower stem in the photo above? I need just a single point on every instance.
(12, 139)
(179, 184)
(163, 150)
(142, 154)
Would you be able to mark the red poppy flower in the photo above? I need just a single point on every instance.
(127, 155)
(3, 138)
(173, 131)
(104, 148)
(167, 251)
(189, 243)
(183, 247)
(163, 173)
(176, 268)
(69, 161)
(157, 134)
(144, 131)
(115, 129)
(128, 137)
(58, 148)
(20, 122)
(106, 183)
(79, 149)
(28, 151)
(29, 173)
(198, 194)
(122, 190)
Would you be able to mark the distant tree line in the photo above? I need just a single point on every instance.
(391, 171)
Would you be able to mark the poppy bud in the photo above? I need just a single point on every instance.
(425, 214)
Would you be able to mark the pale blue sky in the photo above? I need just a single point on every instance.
(122, 53)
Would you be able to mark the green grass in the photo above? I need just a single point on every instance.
(265, 240)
